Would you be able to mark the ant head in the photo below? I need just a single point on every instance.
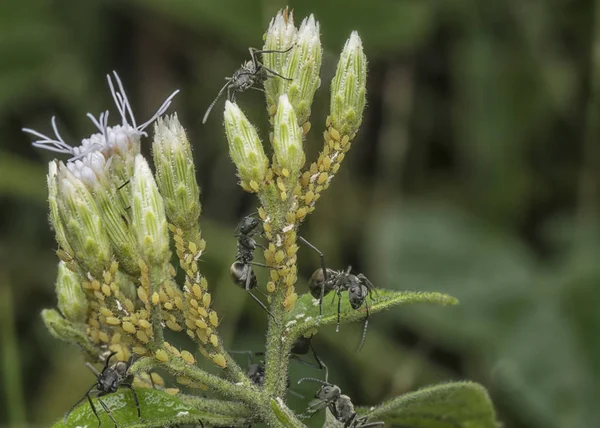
(108, 381)
(248, 225)
(328, 392)
(357, 293)
(256, 373)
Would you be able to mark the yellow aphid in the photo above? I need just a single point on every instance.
(144, 324)
(114, 287)
(262, 213)
(335, 134)
(279, 256)
(292, 250)
(190, 333)
(142, 294)
(202, 245)
(345, 140)
(274, 275)
(113, 320)
(139, 350)
(214, 340)
(174, 351)
(283, 196)
(173, 325)
(103, 337)
(301, 213)
(107, 277)
(99, 296)
(96, 285)
(341, 157)
(326, 163)
(155, 298)
(163, 296)
(290, 217)
(213, 318)
(322, 178)
(202, 336)
(204, 353)
(208, 331)
(188, 358)
(114, 266)
(190, 323)
(168, 306)
(245, 186)
(143, 266)
(306, 127)
(272, 110)
(93, 322)
(335, 168)
(106, 312)
(270, 286)
(183, 380)
(161, 355)
(206, 300)
(285, 172)
(157, 379)
(197, 291)
(194, 303)
(193, 247)
(309, 197)
(142, 336)
(202, 312)
(179, 303)
(203, 283)
(172, 391)
(219, 360)
(116, 338)
(254, 185)
(200, 323)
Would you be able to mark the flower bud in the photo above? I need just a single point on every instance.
(55, 220)
(149, 221)
(280, 36)
(348, 88)
(83, 223)
(287, 139)
(245, 147)
(71, 298)
(303, 67)
(175, 173)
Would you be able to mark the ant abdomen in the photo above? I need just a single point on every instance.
(239, 274)
(317, 281)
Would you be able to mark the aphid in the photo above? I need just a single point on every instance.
(251, 73)
(325, 280)
(241, 270)
(330, 396)
(108, 381)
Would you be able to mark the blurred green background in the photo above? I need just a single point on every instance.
(476, 173)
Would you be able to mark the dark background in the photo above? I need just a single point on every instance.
(476, 172)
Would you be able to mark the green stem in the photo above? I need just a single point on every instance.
(158, 275)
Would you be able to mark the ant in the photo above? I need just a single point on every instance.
(330, 396)
(241, 270)
(325, 280)
(251, 73)
(108, 381)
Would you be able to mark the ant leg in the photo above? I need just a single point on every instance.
(107, 410)
(254, 51)
(319, 252)
(135, 399)
(339, 293)
(317, 359)
(275, 73)
(364, 335)
(94, 409)
(262, 265)
(262, 305)
(76, 404)
(123, 185)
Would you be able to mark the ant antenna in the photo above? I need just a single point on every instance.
(210, 107)
(313, 379)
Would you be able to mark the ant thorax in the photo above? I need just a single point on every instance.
(344, 409)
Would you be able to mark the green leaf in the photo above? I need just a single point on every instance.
(305, 315)
(451, 405)
(158, 409)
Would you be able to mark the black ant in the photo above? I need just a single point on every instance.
(330, 396)
(325, 280)
(108, 381)
(251, 73)
(241, 270)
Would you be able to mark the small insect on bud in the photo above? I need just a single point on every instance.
(245, 147)
(280, 36)
(149, 220)
(175, 173)
(71, 297)
(287, 139)
(83, 223)
(303, 67)
(348, 88)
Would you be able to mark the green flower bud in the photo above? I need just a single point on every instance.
(55, 220)
(148, 212)
(280, 36)
(348, 88)
(175, 173)
(245, 148)
(65, 330)
(82, 219)
(71, 298)
(303, 67)
(287, 139)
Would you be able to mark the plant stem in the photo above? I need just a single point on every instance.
(157, 277)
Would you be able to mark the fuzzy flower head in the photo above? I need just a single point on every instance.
(111, 141)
